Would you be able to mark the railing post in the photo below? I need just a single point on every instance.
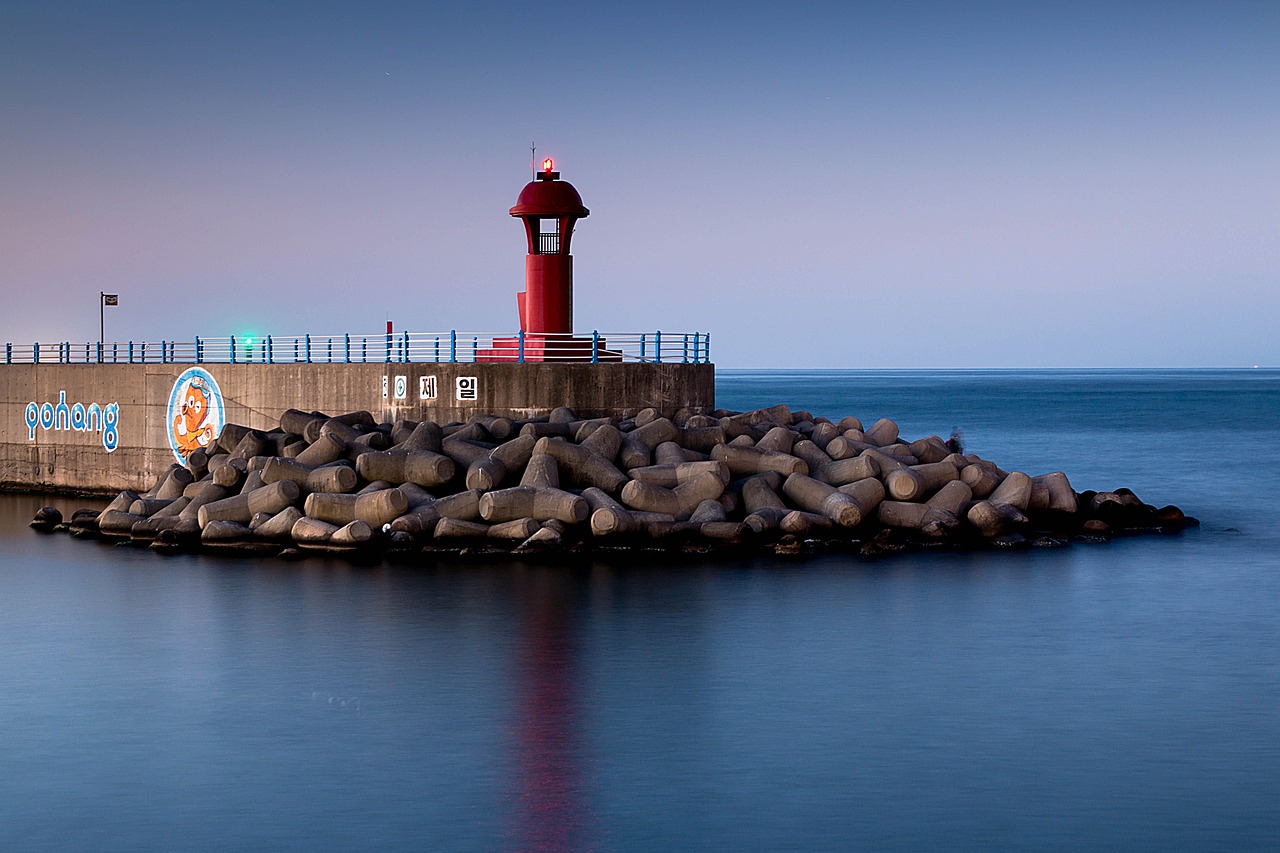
(364, 349)
(522, 346)
(595, 346)
(404, 349)
(99, 352)
(231, 345)
(453, 345)
(388, 355)
(642, 347)
(685, 353)
(437, 349)
(706, 348)
(657, 347)
(346, 347)
(306, 348)
(271, 354)
(8, 353)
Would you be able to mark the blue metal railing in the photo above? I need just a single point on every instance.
(596, 348)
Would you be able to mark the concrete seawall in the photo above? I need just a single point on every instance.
(108, 427)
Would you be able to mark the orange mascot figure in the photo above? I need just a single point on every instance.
(190, 432)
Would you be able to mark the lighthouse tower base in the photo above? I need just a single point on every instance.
(535, 347)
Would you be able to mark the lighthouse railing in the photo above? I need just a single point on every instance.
(593, 347)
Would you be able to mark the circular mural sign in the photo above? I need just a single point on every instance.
(196, 414)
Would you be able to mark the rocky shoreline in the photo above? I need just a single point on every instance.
(768, 481)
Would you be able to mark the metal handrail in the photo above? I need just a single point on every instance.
(402, 347)
(548, 243)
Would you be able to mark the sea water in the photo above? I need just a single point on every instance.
(1122, 696)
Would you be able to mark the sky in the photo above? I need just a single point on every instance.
(826, 185)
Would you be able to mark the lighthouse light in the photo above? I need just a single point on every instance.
(547, 165)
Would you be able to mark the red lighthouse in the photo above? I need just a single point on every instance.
(549, 208)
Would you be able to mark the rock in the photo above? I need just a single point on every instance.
(46, 519)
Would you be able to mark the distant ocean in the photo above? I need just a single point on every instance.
(1121, 697)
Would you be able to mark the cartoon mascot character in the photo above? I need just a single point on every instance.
(190, 432)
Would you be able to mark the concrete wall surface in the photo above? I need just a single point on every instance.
(107, 427)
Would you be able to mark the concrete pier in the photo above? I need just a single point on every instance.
(108, 427)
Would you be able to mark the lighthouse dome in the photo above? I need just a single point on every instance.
(549, 198)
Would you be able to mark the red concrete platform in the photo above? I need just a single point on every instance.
(543, 348)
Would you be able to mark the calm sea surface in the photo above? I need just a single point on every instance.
(1121, 697)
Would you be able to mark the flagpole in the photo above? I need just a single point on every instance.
(102, 298)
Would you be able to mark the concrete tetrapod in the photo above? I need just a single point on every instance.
(219, 531)
(700, 439)
(605, 440)
(779, 440)
(541, 473)
(758, 492)
(425, 436)
(241, 508)
(801, 523)
(993, 519)
(327, 478)
(883, 432)
(1056, 492)
(1015, 491)
(541, 504)
(457, 528)
(867, 494)
(679, 502)
(917, 516)
(980, 478)
(750, 460)
(707, 511)
(841, 472)
(637, 446)
(670, 476)
(519, 529)
(930, 449)
(515, 454)
(912, 483)
(813, 455)
(483, 471)
(374, 508)
(312, 531)
(396, 466)
(823, 499)
(952, 498)
(322, 451)
(608, 517)
(208, 493)
(280, 525)
(667, 453)
(583, 467)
